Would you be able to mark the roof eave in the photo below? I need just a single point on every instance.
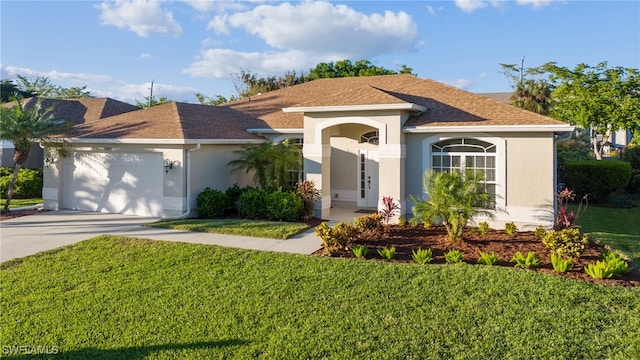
(559, 128)
(164, 141)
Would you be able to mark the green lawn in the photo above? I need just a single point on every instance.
(16, 203)
(618, 228)
(114, 297)
(256, 228)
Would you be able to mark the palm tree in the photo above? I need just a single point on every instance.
(24, 125)
(532, 95)
(271, 163)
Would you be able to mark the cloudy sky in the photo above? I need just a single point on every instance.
(117, 48)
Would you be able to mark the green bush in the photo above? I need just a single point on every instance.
(561, 264)
(540, 232)
(597, 178)
(422, 256)
(370, 224)
(510, 228)
(233, 194)
(212, 203)
(632, 155)
(488, 258)
(599, 270)
(359, 251)
(634, 183)
(569, 242)
(335, 239)
(566, 156)
(282, 205)
(483, 228)
(28, 183)
(615, 262)
(454, 257)
(529, 261)
(387, 253)
(253, 203)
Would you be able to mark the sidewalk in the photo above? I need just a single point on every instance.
(31, 234)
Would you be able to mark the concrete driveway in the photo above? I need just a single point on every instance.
(31, 234)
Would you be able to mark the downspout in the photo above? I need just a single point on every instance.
(187, 169)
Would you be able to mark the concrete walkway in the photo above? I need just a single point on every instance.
(31, 234)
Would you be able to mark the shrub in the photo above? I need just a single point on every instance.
(310, 195)
(488, 258)
(510, 228)
(233, 194)
(599, 270)
(566, 242)
(28, 183)
(540, 232)
(529, 261)
(598, 178)
(561, 264)
(454, 257)
(335, 239)
(483, 228)
(369, 224)
(282, 205)
(565, 218)
(402, 221)
(212, 203)
(615, 262)
(359, 251)
(632, 155)
(387, 253)
(389, 209)
(454, 199)
(634, 183)
(566, 156)
(422, 256)
(253, 203)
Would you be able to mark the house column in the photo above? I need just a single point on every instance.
(317, 167)
(391, 175)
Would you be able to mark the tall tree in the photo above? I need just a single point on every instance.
(24, 125)
(42, 87)
(529, 92)
(9, 90)
(599, 98)
(152, 101)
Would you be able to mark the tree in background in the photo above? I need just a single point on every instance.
(529, 92)
(152, 101)
(9, 90)
(598, 98)
(248, 84)
(42, 87)
(23, 125)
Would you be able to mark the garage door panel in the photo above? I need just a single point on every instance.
(115, 183)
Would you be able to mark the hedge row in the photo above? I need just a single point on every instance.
(250, 203)
(632, 155)
(597, 178)
(28, 184)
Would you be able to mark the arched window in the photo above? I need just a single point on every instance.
(469, 156)
(370, 137)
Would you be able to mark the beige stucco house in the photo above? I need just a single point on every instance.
(363, 138)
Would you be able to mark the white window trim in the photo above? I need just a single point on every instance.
(501, 160)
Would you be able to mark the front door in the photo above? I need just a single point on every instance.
(368, 178)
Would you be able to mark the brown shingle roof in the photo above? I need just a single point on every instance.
(84, 110)
(172, 121)
(446, 104)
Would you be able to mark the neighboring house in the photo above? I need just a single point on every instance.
(75, 110)
(363, 138)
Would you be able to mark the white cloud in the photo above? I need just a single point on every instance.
(470, 5)
(209, 5)
(459, 83)
(144, 56)
(131, 93)
(53, 75)
(326, 28)
(328, 33)
(143, 17)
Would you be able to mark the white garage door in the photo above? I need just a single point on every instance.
(114, 183)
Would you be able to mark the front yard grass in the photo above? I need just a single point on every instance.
(17, 203)
(257, 228)
(618, 228)
(116, 297)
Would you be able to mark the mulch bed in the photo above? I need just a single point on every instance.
(19, 213)
(408, 238)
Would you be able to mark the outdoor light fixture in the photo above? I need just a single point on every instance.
(49, 160)
(168, 165)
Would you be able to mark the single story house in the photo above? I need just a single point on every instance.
(363, 138)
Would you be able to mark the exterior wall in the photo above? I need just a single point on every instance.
(34, 161)
(208, 169)
(528, 176)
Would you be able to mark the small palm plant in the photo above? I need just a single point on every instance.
(454, 198)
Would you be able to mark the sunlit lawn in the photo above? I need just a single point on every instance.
(115, 297)
(256, 228)
(17, 203)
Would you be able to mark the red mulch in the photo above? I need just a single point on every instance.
(408, 238)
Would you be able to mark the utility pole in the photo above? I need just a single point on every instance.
(522, 70)
(151, 94)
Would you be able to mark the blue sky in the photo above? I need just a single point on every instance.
(117, 48)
